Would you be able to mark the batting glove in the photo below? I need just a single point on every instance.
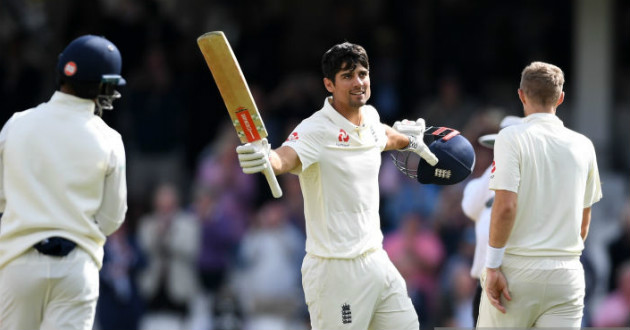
(415, 131)
(254, 158)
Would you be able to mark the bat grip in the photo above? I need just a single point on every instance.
(276, 191)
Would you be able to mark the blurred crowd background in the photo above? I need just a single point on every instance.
(206, 247)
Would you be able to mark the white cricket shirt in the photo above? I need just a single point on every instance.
(554, 172)
(62, 173)
(339, 181)
(477, 205)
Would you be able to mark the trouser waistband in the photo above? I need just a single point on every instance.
(547, 262)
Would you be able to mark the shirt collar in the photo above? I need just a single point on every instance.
(336, 117)
(542, 117)
(73, 102)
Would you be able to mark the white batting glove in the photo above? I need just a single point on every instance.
(415, 131)
(252, 158)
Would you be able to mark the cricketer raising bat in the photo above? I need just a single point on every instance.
(236, 95)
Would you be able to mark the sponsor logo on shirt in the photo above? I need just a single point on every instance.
(343, 136)
(293, 137)
(346, 314)
(374, 134)
(494, 167)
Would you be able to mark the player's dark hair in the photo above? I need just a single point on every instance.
(84, 90)
(344, 56)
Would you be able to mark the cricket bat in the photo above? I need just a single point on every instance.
(236, 95)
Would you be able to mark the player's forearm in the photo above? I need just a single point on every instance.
(283, 160)
(586, 223)
(395, 140)
(277, 164)
(502, 219)
(500, 228)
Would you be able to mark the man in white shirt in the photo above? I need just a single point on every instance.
(348, 280)
(477, 205)
(545, 179)
(62, 191)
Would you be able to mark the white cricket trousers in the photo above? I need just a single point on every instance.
(44, 292)
(547, 292)
(366, 292)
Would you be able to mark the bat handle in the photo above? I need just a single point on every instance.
(276, 191)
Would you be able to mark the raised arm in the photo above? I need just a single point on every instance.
(284, 159)
(413, 133)
(395, 139)
(253, 160)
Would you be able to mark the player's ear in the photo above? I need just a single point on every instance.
(329, 84)
(560, 99)
(521, 95)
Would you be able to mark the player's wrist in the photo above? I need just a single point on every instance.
(494, 257)
(412, 143)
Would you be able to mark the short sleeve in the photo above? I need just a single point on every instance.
(593, 192)
(111, 213)
(3, 139)
(505, 173)
(306, 141)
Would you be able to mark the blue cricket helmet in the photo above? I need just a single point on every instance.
(456, 161)
(91, 59)
(456, 158)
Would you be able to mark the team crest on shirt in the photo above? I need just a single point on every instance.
(346, 314)
(293, 137)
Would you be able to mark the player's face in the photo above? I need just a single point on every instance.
(351, 87)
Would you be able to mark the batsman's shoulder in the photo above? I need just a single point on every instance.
(585, 139)
(313, 124)
(105, 129)
(581, 139)
(106, 133)
(19, 115)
